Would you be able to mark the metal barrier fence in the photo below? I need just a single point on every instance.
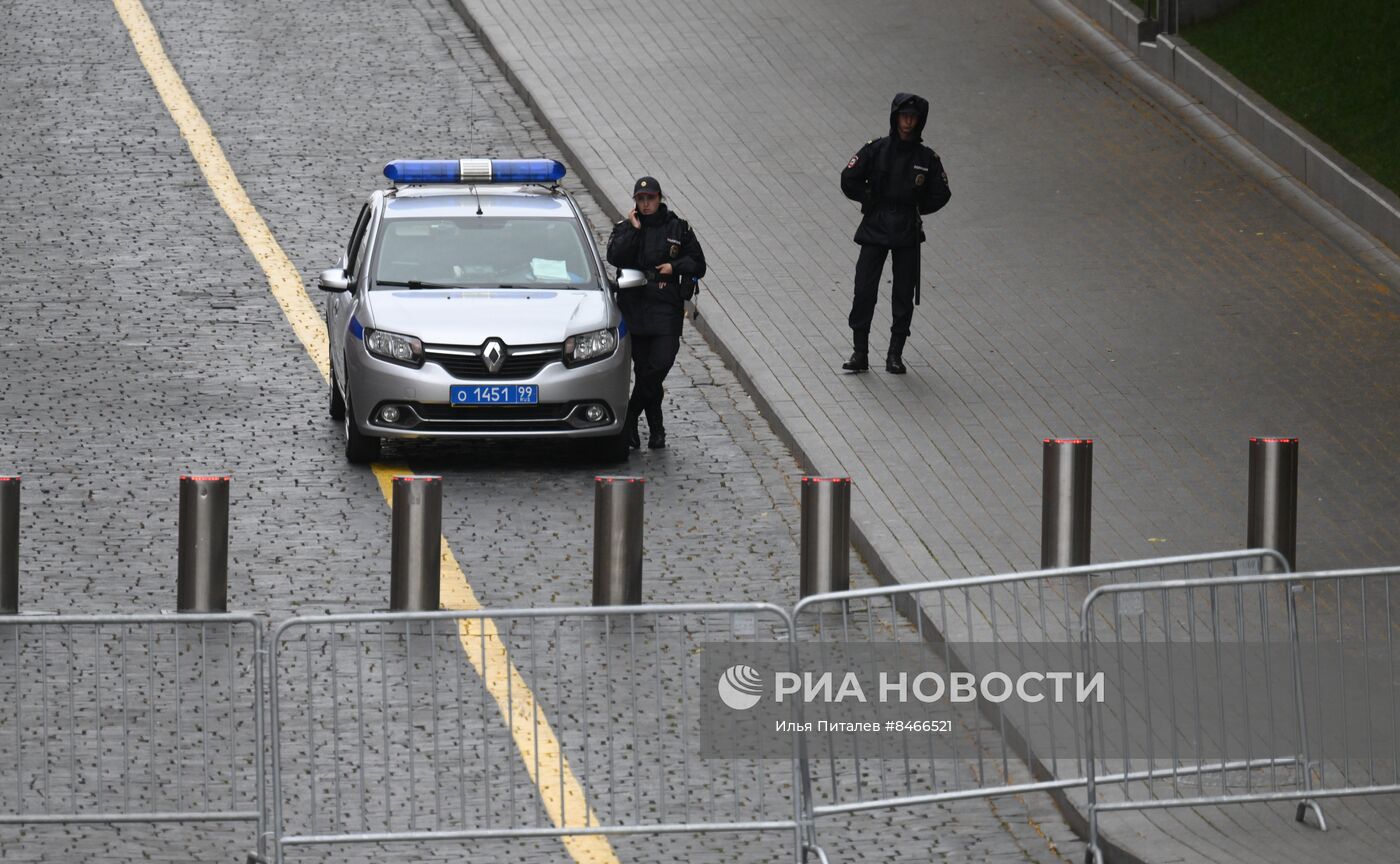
(583, 723)
(389, 727)
(132, 718)
(1013, 614)
(1274, 688)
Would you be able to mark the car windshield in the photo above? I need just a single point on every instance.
(481, 251)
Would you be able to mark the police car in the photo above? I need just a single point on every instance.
(471, 302)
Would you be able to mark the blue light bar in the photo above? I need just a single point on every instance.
(474, 171)
(423, 170)
(526, 171)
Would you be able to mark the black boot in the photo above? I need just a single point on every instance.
(634, 439)
(656, 429)
(894, 360)
(860, 357)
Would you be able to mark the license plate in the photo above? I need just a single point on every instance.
(495, 394)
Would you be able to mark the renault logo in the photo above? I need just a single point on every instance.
(494, 353)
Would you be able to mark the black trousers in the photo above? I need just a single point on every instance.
(869, 266)
(653, 355)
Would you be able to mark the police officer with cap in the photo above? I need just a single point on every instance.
(896, 180)
(661, 244)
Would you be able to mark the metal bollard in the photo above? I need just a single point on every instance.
(202, 582)
(826, 535)
(617, 540)
(9, 545)
(416, 569)
(1065, 503)
(1273, 497)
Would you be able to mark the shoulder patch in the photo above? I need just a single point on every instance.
(854, 160)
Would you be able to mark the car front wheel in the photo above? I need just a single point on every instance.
(360, 449)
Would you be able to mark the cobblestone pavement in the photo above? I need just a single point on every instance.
(1103, 270)
(140, 342)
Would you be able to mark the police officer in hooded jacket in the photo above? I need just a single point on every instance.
(896, 180)
(662, 245)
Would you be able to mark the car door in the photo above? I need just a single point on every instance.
(342, 304)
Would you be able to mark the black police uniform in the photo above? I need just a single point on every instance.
(654, 314)
(895, 182)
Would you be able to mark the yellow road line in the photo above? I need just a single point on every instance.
(560, 791)
(282, 278)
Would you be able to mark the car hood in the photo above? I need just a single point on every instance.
(517, 316)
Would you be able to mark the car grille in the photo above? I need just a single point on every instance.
(515, 367)
(550, 417)
(557, 411)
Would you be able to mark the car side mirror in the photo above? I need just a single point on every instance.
(632, 279)
(335, 280)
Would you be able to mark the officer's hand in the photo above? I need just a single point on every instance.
(632, 217)
(664, 269)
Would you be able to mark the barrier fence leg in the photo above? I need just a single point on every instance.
(826, 535)
(618, 515)
(1065, 502)
(1273, 498)
(260, 710)
(202, 582)
(9, 545)
(1304, 756)
(415, 577)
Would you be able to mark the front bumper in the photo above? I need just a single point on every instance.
(422, 395)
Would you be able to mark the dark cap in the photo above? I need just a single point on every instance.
(909, 107)
(646, 184)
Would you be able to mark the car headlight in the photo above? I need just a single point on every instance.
(587, 347)
(394, 347)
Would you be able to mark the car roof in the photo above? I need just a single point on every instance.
(437, 201)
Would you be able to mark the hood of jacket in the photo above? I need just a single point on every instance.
(901, 101)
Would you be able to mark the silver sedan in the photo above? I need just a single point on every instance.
(476, 306)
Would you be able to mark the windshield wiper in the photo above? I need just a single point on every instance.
(414, 285)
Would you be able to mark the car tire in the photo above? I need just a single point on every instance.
(610, 450)
(360, 449)
(337, 403)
